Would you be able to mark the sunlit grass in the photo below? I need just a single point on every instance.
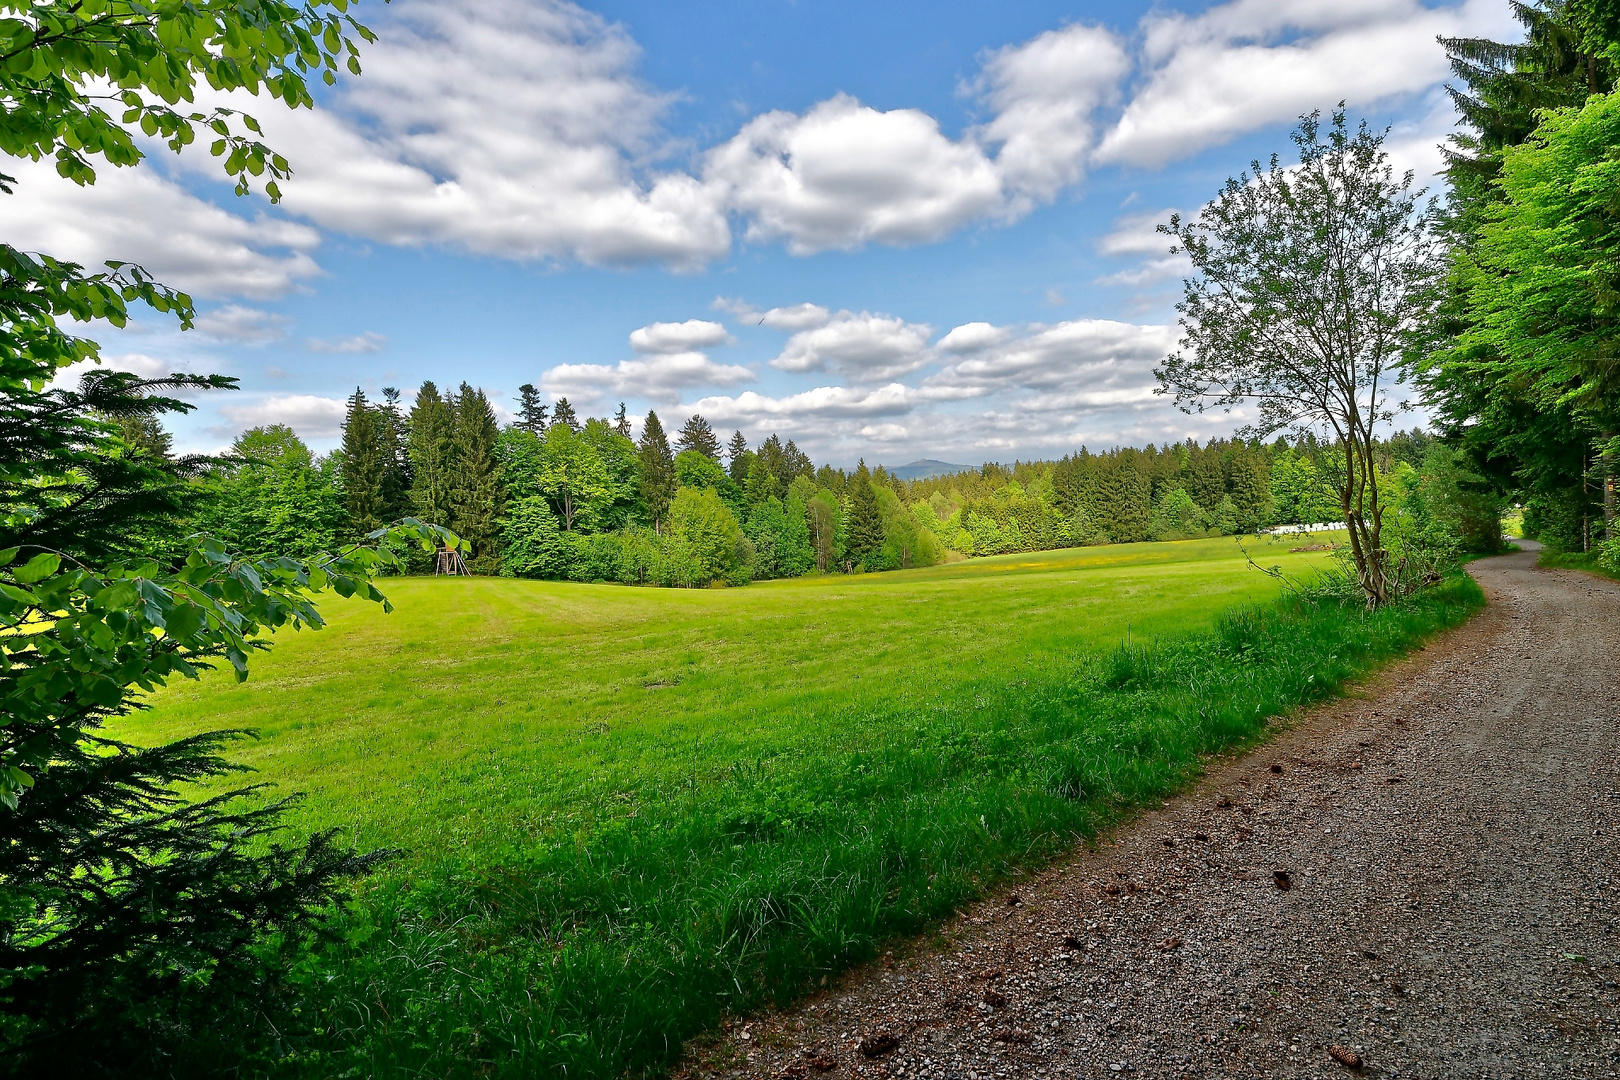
(629, 811)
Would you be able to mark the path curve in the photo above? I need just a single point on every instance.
(1452, 839)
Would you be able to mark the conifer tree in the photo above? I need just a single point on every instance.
(396, 478)
(865, 518)
(364, 464)
(531, 409)
(563, 413)
(475, 494)
(696, 434)
(736, 452)
(428, 442)
(657, 469)
(621, 421)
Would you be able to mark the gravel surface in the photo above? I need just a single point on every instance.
(1448, 839)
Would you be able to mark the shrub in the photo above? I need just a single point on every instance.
(533, 543)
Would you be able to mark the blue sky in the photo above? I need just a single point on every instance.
(887, 230)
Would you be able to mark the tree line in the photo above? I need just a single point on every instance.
(1524, 376)
(564, 498)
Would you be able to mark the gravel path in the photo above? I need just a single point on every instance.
(1448, 838)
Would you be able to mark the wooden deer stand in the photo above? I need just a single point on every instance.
(449, 561)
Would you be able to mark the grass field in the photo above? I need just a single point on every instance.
(628, 811)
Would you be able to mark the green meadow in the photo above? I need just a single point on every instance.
(626, 812)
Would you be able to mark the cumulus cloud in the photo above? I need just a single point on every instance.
(138, 215)
(142, 364)
(844, 174)
(312, 416)
(1084, 354)
(242, 325)
(972, 337)
(789, 317)
(1138, 234)
(796, 317)
(660, 377)
(752, 408)
(666, 337)
(368, 342)
(511, 128)
(1045, 93)
(1247, 64)
(863, 346)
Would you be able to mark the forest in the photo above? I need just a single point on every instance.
(554, 497)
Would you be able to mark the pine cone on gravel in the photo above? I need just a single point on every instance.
(878, 1044)
(1345, 1056)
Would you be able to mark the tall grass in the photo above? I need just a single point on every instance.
(600, 942)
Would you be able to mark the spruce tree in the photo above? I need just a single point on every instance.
(531, 409)
(475, 489)
(396, 479)
(736, 453)
(657, 469)
(696, 434)
(129, 914)
(563, 413)
(428, 442)
(865, 518)
(621, 421)
(364, 465)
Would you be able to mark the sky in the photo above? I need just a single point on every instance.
(885, 230)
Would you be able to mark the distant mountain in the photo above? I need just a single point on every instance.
(923, 468)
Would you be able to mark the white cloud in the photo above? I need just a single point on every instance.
(845, 174)
(1045, 93)
(510, 128)
(312, 416)
(137, 215)
(242, 325)
(796, 317)
(659, 377)
(1137, 234)
(864, 346)
(1149, 271)
(1250, 63)
(1088, 354)
(823, 401)
(666, 337)
(144, 365)
(368, 342)
(972, 337)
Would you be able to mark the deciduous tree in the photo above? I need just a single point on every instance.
(1313, 284)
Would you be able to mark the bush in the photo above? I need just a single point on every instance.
(533, 543)
(1177, 517)
(709, 538)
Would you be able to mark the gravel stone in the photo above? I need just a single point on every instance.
(1450, 836)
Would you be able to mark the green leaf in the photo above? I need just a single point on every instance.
(38, 568)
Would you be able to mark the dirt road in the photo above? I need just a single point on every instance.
(1450, 840)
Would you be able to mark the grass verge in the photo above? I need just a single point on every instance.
(1584, 561)
(600, 943)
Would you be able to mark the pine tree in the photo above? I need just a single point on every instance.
(736, 452)
(696, 434)
(475, 494)
(657, 469)
(428, 442)
(621, 421)
(531, 409)
(563, 413)
(865, 518)
(364, 465)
